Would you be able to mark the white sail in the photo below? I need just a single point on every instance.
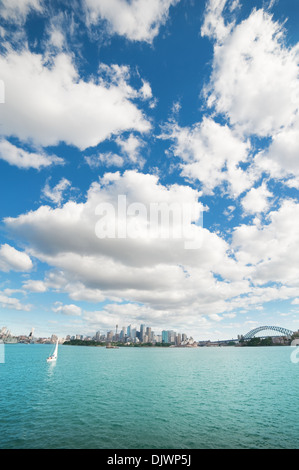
(53, 357)
(55, 354)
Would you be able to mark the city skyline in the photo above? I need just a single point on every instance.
(149, 165)
(145, 335)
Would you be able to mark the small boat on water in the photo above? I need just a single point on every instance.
(109, 346)
(53, 357)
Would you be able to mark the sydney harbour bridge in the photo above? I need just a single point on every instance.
(279, 329)
(266, 328)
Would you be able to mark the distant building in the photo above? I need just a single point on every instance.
(164, 336)
(122, 334)
(97, 336)
(110, 335)
(142, 333)
(171, 337)
(133, 333)
(149, 334)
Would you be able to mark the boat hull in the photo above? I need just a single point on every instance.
(51, 360)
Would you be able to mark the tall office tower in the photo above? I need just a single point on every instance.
(109, 335)
(129, 331)
(142, 332)
(116, 336)
(98, 335)
(179, 339)
(149, 334)
(184, 337)
(164, 336)
(171, 336)
(123, 333)
(133, 333)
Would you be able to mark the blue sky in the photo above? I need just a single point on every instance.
(168, 101)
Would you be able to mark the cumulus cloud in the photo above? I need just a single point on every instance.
(211, 153)
(214, 25)
(255, 77)
(77, 112)
(158, 272)
(104, 160)
(14, 260)
(71, 309)
(13, 303)
(35, 286)
(270, 248)
(257, 200)
(17, 10)
(55, 194)
(23, 159)
(137, 20)
(131, 147)
(254, 87)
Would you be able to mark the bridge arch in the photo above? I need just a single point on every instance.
(279, 329)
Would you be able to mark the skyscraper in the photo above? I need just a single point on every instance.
(98, 335)
(164, 336)
(142, 332)
(149, 334)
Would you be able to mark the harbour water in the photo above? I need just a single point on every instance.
(149, 398)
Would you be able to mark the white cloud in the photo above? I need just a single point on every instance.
(146, 91)
(211, 153)
(215, 317)
(14, 260)
(71, 309)
(35, 286)
(254, 82)
(13, 303)
(22, 159)
(157, 272)
(257, 200)
(280, 160)
(104, 160)
(77, 112)
(55, 194)
(17, 10)
(214, 25)
(137, 20)
(131, 148)
(271, 249)
(229, 315)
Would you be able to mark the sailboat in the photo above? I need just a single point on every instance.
(53, 357)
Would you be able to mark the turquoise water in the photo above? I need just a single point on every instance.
(149, 398)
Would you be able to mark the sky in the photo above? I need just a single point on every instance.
(188, 105)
